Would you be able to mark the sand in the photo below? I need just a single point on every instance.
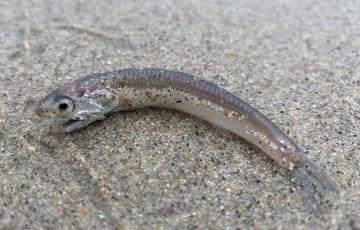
(296, 61)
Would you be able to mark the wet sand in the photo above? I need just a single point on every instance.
(296, 61)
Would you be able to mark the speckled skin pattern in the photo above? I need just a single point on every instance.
(94, 96)
(137, 88)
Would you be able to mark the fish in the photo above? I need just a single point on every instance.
(91, 98)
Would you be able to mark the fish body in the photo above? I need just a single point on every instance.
(91, 98)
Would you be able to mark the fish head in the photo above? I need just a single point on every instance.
(77, 105)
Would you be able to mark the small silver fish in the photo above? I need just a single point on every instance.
(91, 98)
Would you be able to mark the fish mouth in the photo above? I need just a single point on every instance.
(55, 126)
(70, 122)
(73, 124)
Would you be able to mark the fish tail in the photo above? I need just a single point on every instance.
(307, 171)
(307, 191)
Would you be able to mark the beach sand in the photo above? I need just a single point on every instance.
(296, 61)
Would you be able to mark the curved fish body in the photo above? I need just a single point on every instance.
(90, 98)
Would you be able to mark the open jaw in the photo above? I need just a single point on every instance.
(60, 126)
(74, 124)
(56, 126)
(69, 123)
(78, 123)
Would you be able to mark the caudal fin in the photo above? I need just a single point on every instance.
(312, 172)
(310, 178)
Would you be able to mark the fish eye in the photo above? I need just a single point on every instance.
(65, 104)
